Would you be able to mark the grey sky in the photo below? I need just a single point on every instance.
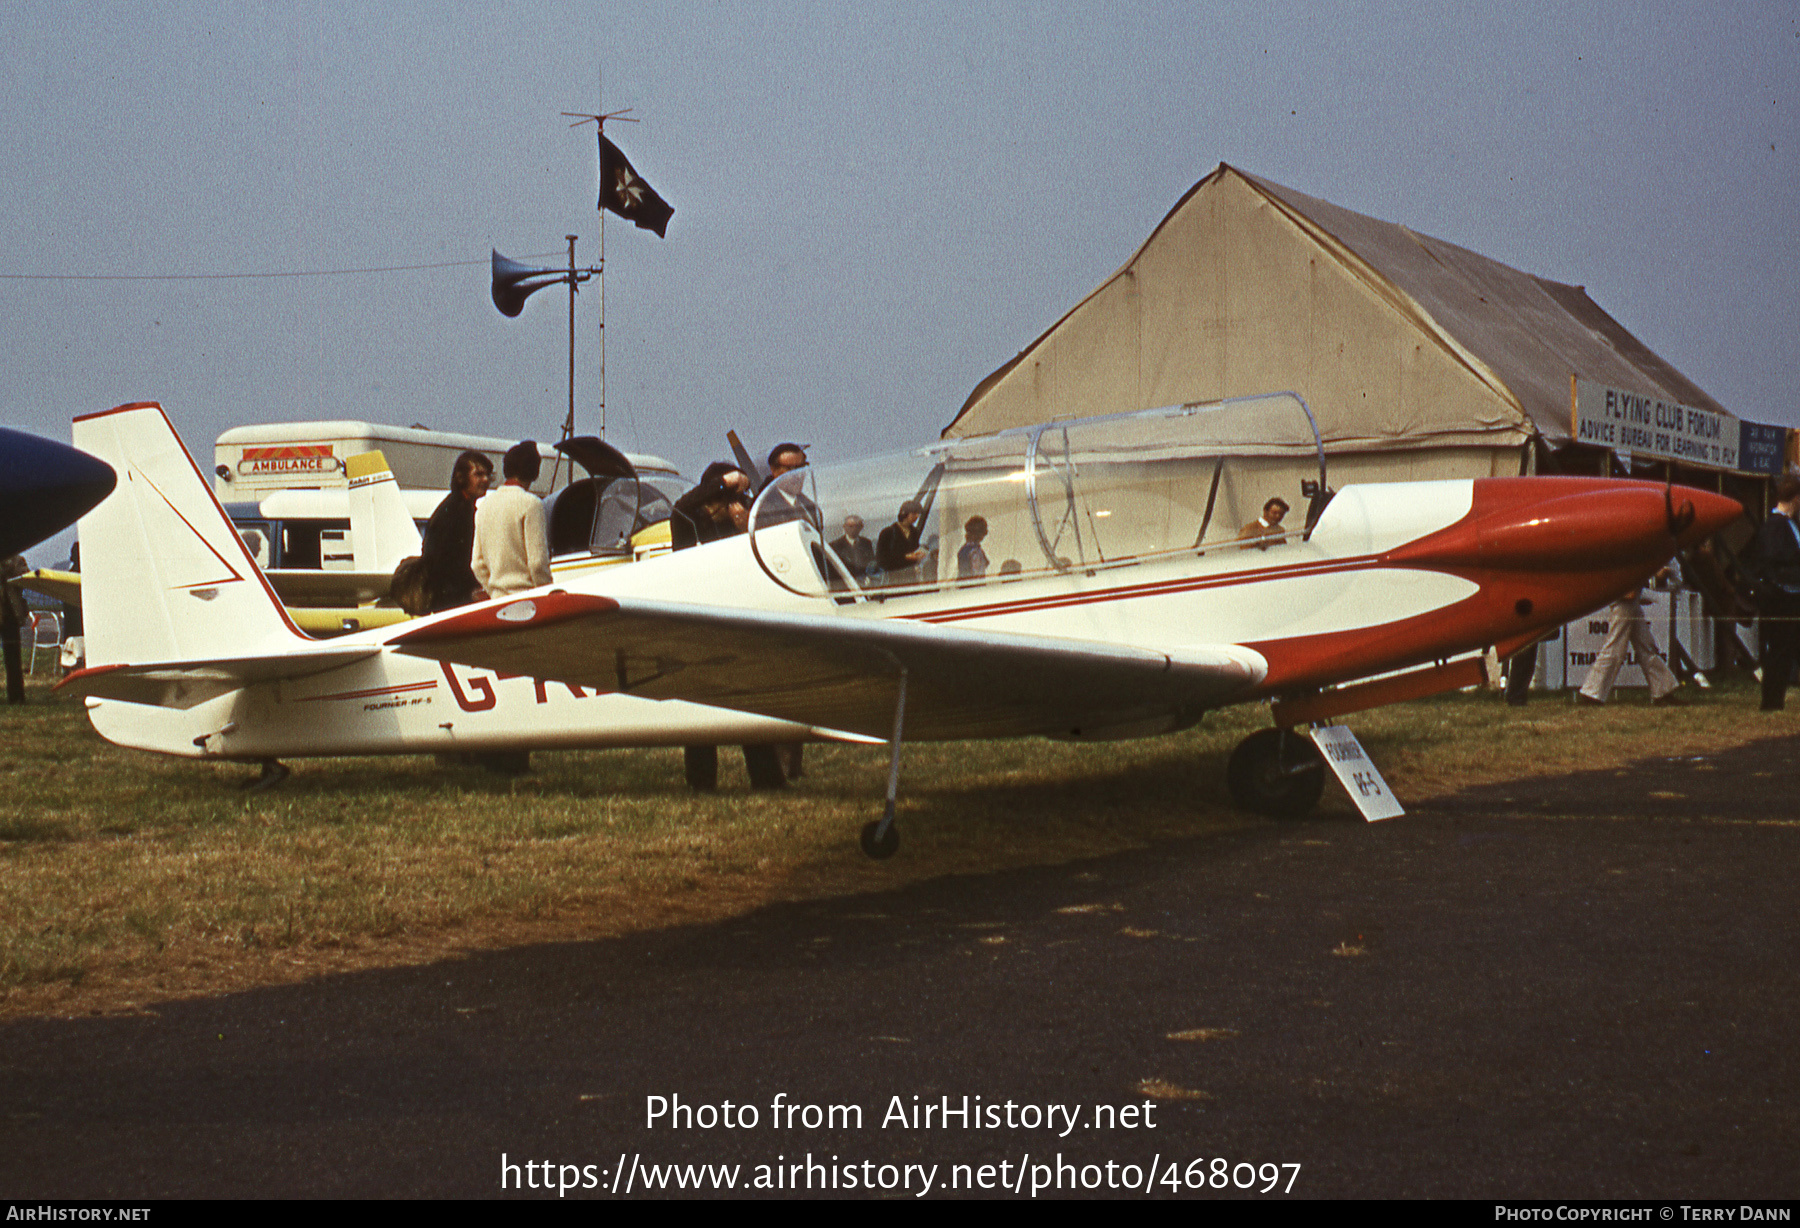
(875, 206)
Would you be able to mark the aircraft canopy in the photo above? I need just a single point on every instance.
(1078, 495)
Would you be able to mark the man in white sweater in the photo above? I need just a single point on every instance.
(512, 543)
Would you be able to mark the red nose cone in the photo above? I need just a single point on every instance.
(1595, 528)
(1711, 513)
(1574, 525)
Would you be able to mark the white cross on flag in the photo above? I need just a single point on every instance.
(624, 191)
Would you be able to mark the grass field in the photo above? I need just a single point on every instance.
(127, 878)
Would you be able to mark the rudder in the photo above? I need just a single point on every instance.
(165, 576)
(381, 529)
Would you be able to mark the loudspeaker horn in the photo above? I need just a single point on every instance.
(513, 283)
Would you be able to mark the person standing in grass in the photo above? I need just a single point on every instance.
(448, 549)
(15, 616)
(512, 540)
(1628, 629)
(1268, 525)
(857, 551)
(898, 551)
(1777, 554)
(713, 511)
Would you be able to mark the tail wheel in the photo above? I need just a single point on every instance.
(1276, 772)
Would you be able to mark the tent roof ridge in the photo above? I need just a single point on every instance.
(1397, 294)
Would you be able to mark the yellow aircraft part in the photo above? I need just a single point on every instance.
(655, 539)
(319, 620)
(64, 586)
(363, 464)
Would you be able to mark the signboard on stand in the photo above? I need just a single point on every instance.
(1677, 617)
(1356, 771)
(1587, 635)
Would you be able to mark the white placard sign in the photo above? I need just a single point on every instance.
(1631, 422)
(1357, 771)
(1587, 635)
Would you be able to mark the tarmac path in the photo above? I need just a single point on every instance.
(1566, 987)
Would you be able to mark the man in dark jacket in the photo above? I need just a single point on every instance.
(450, 536)
(1777, 554)
(857, 551)
(716, 509)
(898, 551)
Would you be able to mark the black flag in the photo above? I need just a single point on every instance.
(624, 192)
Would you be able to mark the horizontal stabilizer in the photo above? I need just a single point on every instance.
(183, 684)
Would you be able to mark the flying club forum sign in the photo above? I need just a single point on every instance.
(1648, 426)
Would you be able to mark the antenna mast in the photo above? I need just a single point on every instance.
(581, 118)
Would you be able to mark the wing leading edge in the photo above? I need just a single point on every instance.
(839, 672)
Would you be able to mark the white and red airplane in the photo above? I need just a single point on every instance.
(1108, 593)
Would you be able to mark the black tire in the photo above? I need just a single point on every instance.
(886, 847)
(1276, 772)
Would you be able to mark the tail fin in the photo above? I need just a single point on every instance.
(165, 576)
(381, 528)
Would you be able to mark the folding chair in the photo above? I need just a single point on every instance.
(45, 632)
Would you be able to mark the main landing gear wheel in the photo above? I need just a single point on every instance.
(877, 844)
(1276, 772)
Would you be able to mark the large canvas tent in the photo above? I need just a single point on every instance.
(1420, 359)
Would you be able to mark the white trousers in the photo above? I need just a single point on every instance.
(1628, 628)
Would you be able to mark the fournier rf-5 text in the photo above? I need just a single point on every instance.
(1112, 592)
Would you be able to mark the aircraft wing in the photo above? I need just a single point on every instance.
(63, 586)
(839, 672)
(184, 684)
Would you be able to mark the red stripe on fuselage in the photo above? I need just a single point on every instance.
(1158, 588)
(1485, 617)
(373, 691)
